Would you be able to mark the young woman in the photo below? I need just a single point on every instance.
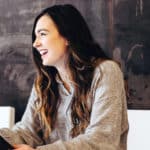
(78, 98)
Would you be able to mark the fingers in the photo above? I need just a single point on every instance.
(22, 147)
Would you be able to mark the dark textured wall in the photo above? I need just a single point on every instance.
(16, 19)
(132, 48)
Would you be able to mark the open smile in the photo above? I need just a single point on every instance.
(43, 52)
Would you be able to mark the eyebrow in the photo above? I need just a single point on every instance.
(38, 31)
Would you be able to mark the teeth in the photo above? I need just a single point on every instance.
(44, 51)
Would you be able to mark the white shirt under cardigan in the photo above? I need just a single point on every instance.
(108, 126)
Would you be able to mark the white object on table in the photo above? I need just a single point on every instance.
(139, 130)
(7, 116)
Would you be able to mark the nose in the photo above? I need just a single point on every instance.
(36, 43)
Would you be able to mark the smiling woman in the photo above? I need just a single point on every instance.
(50, 44)
(78, 98)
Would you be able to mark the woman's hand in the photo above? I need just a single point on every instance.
(22, 147)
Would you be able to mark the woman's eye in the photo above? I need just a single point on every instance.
(42, 34)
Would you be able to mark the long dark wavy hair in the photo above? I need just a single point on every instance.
(84, 52)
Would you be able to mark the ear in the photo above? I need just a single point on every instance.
(67, 43)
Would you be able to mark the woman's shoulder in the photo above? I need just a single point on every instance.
(107, 71)
(107, 66)
(108, 74)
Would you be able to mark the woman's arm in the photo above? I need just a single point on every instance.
(25, 131)
(108, 123)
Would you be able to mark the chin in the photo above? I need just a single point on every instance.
(46, 63)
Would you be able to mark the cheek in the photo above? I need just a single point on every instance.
(58, 44)
(51, 43)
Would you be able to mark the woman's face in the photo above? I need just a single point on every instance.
(49, 43)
